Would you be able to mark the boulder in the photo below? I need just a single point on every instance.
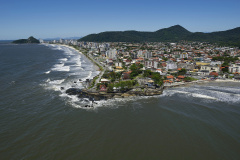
(73, 91)
(127, 95)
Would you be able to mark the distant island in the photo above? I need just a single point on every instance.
(172, 34)
(29, 40)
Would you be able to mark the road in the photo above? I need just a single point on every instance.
(101, 73)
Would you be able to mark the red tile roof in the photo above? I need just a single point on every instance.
(181, 77)
(213, 74)
(170, 77)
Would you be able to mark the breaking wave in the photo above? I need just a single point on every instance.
(68, 73)
(226, 94)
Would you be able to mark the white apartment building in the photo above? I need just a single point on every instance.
(233, 68)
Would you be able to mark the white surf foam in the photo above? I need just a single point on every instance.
(61, 67)
(68, 51)
(63, 59)
(47, 72)
(78, 62)
(218, 93)
(229, 89)
(197, 95)
(203, 96)
(48, 80)
(57, 81)
(88, 77)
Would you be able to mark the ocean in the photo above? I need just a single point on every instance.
(38, 120)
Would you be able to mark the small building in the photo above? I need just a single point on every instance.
(150, 84)
(119, 69)
(202, 63)
(233, 68)
(215, 74)
(103, 88)
(126, 75)
(180, 77)
(104, 80)
(118, 64)
(210, 68)
(171, 65)
(170, 78)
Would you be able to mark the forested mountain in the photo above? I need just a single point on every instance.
(172, 34)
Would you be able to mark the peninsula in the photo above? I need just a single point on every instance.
(29, 40)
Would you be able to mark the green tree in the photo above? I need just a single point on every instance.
(165, 59)
(183, 71)
(133, 67)
(157, 78)
(110, 87)
(147, 73)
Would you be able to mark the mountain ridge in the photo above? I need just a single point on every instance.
(172, 34)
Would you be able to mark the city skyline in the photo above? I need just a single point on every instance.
(50, 19)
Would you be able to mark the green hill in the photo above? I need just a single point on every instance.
(29, 40)
(172, 34)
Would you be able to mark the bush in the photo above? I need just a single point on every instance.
(189, 79)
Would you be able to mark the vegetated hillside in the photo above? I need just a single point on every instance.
(172, 34)
(229, 37)
(29, 40)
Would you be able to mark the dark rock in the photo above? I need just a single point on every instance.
(88, 106)
(73, 91)
(62, 88)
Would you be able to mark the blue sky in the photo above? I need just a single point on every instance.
(68, 18)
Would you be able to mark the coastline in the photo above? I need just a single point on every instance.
(92, 93)
(81, 54)
(182, 84)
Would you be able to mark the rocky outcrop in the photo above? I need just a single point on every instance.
(95, 95)
(29, 40)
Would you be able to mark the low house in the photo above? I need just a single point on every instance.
(214, 74)
(202, 63)
(170, 78)
(126, 75)
(167, 81)
(118, 64)
(104, 80)
(128, 62)
(203, 73)
(210, 68)
(180, 77)
(218, 63)
(237, 76)
(159, 71)
(119, 69)
(187, 66)
(150, 84)
(110, 62)
(103, 88)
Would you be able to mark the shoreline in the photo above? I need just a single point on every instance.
(81, 54)
(137, 91)
(182, 84)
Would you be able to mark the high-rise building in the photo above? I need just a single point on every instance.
(111, 53)
(148, 55)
